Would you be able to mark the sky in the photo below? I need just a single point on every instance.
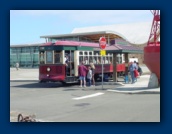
(26, 26)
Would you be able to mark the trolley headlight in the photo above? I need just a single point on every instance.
(48, 69)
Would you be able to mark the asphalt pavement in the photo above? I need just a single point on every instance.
(121, 89)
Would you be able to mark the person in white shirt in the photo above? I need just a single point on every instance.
(89, 75)
(93, 72)
(17, 66)
(106, 61)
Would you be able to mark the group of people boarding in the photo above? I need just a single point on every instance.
(135, 71)
(86, 73)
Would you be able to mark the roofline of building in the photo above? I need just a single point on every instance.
(84, 33)
(27, 45)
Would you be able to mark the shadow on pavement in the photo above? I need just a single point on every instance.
(43, 85)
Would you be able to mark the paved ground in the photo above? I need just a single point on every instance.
(53, 102)
(25, 79)
(24, 74)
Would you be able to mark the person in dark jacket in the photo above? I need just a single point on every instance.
(66, 59)
(139, 69)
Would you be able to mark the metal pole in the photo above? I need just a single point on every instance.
(102, 72)
(108, 40)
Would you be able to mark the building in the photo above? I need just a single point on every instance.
(25, 54)
(134, 34)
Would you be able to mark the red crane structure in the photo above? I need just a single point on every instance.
(155, 30)
(152, 50)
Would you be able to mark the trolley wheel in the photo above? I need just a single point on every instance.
(41, 81)
(63, 83)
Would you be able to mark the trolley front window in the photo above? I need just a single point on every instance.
(42, 57)
(49, 57)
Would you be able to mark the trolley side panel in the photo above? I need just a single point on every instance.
(56, 73)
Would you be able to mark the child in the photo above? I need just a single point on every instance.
(89, 75)
(93, 72)
(126, 78)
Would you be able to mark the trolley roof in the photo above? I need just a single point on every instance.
(75, 45)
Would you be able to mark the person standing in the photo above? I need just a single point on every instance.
(82, 71)
(93, 72)
(135, 71)
(89, 75)
(139, 69)
(17, 66)
(66, 59)
(132, 67)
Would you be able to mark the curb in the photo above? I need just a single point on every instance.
(110, 83)
(148, 91)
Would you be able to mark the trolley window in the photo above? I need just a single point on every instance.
(103, 60)
(80, 53)
(86, 58)
(110, 61)
(80, 59)
(42, 57)
(57, 57)
(95, 60)
(49, 57)
(90, 59)
(99, 60)
(107, 60)
(96, 53)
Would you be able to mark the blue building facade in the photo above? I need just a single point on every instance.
(25, 55)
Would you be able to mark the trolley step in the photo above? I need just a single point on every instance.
(71, 79)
